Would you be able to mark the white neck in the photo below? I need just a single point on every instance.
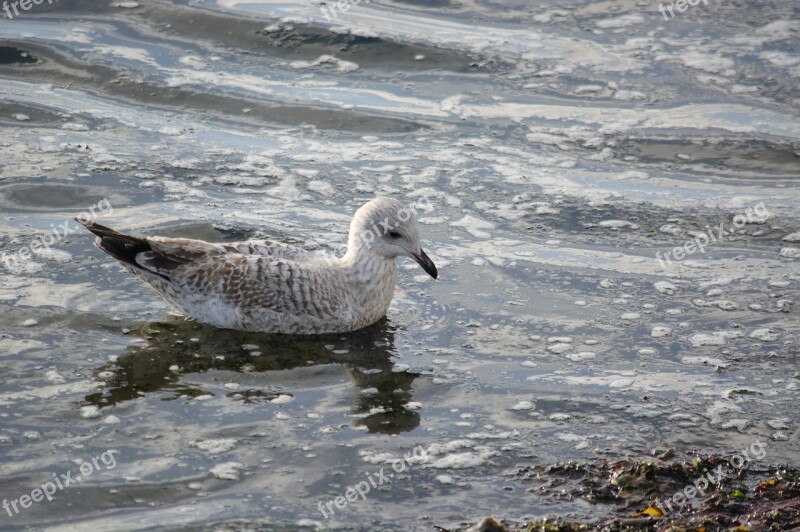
(373, 278)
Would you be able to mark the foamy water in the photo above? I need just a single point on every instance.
(563, 150)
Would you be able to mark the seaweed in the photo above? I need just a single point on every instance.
(632, 495)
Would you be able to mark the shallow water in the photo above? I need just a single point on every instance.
(553, 151)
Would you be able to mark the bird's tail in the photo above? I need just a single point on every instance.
(124, 248)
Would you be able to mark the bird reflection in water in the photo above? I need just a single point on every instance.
(176, 347)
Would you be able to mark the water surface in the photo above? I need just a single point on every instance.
(559, 147)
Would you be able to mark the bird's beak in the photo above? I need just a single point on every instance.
(426, 263)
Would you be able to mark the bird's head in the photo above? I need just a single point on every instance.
(389, 228)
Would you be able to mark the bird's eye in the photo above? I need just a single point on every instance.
(394, 234)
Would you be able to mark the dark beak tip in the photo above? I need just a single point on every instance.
(427, 264)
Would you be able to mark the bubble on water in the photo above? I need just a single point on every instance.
(463, 460)
(282, 399)
(671, 229)
(582, 356)
(54, 376)
(665, 287)
(781, 423)
(89, 412)
(75, 126)
(704, 361)
(696, 264)
(765, 335)
(559, 348)
(581, 441)
(322, 188)
(227, 470)
(543, 210)
(215, 446)
(713, 339)
(617, 224)
(780, 284)
(630, 96)
(716, 281)
(737, 423)
(607, 283)
(522, 406)
(660, 331)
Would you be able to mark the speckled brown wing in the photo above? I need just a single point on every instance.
(181, 248)
(213, 282)
(257, 282)
(268, 248)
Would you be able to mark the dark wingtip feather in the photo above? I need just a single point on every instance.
(122, 247)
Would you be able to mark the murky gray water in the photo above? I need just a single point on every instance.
(561, 146)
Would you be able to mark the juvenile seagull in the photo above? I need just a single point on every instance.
(271, 287)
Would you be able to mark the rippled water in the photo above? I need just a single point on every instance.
(561, 146)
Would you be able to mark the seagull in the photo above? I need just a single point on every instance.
(271, 287)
